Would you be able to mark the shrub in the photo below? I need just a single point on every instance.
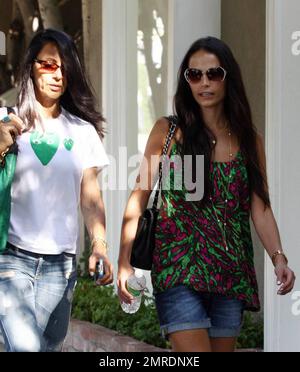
(252, 334)
(100, 305)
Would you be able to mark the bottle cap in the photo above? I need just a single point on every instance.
(138, 273)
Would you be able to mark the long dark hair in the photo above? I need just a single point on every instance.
(197, 138)
(78, 98)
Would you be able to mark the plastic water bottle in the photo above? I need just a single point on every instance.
(136, 283)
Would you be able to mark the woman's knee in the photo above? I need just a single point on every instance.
(196, 340)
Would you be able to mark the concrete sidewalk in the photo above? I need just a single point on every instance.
(88, 337)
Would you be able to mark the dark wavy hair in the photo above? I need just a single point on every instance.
(78, 99)
(197, 138)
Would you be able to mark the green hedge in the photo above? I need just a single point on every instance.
(100, 305)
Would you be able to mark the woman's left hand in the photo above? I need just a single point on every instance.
(108, 268)
(285, 278)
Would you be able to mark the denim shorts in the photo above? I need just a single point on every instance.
(181, 309)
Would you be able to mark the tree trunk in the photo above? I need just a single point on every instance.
(92, 36)
(50, 14)
(27, 11)
(147, 24)
(16, 42)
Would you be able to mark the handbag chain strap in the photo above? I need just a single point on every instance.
(169, 137)
(14, 147)
(10, 110)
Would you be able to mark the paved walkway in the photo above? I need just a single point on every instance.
(85, 336)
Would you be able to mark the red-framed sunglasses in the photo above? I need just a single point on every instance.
(194, 75)
(48, 66)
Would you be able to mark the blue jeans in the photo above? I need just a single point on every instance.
(35, 299)
(182, 308)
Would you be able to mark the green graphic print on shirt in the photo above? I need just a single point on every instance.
(68, 143)
(45, 145)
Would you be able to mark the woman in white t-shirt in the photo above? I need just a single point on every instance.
(60, 156)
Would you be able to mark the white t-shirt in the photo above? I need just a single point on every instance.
(47, 183)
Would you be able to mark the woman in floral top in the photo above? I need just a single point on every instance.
(203, 273)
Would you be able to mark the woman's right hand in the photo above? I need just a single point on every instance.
(9, 131)
(124, 272)
(138, 202)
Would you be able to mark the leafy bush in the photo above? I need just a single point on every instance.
(252, 334)
(100, 305)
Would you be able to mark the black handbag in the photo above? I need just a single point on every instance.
(144, 242)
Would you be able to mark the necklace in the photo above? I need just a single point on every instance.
(223, 224)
